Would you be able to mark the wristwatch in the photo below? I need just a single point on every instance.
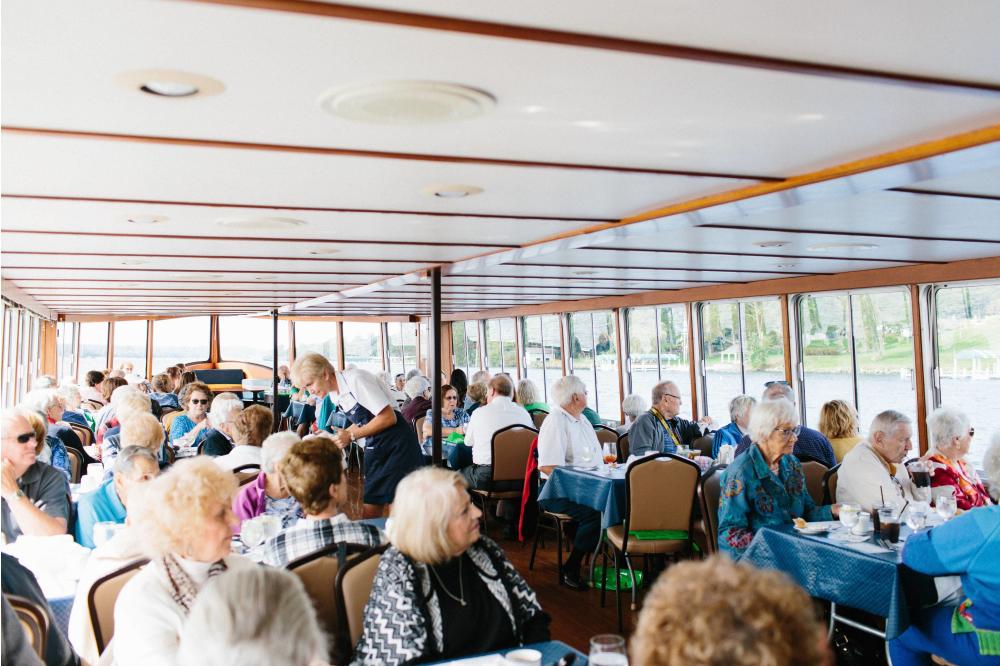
(353, 438)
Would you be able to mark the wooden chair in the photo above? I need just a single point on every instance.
(246, 473)
(623, 448)
(814, 473)
(659, 495)
(318, 572)
(101, 600)
(606, 435)
(704, 445)
(538, 416)
(510, 447)
(85, 434)
(830, 484)
(709, 492)
(168, 420)
(75, 464)
(418, 425)
(34, 621)
(91, 405)
(354, 587)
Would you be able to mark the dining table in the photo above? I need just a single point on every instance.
(601, 488)
(552, 652)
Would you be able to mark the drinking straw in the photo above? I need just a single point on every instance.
(882, 494)
(906, 504)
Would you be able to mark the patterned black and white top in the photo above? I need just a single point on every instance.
(307, 536)
(402, 620)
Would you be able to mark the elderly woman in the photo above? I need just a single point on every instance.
(250, 428)
(72, 399)
(162, 391)
(951, 435)
(92, 387)
(134, 465)
(765, 486)
(732, 614)
(35, 494)
(50, 404)
(187, 377)
(528, 397)
(185, 521)
(419, 390)
(453, 418)
(632, 406)
(442, 591)
(268, 494)
(740, 409)
(391, 447)
(194, 398)
(838, 421)
(253, 616)
(126, 406)
(476, 397)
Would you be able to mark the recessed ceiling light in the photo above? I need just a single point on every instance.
(771, 243)
(174, 84)
(452, 191)
(826, 247)
(259, 223)
(147, 219)
(325, 250)
(407, 102)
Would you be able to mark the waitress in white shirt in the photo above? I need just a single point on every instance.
(391, 447)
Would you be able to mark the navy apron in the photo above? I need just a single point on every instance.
(389, 455)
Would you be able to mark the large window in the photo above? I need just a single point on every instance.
(182, 340)
(501, 346)
(402, 352)
(251, 340)
(542, 346)
(362, 345)
(858, 348)
(10, 328)
(66, 332)
(465, 346)
(316, 337)
(967, 322)
(130, 345)
(658, 350)
(93, 347)
(595, 359)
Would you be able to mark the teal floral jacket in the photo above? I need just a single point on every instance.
(754, 497)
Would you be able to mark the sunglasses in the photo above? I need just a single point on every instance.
(972, 432)
(195, 401)
(25, 437)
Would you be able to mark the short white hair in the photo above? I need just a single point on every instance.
(421, 512)
(416, 386)
(255, 616)
(565, 388)
(481, 376)
(633, 405)
(41, 400)
(739, 405)
(767, 416)
(68, 391)
(778, 391)
(414, 372)
(43, 382)
(122, 391)
(223, 405)
(945, 424)
(274, 449)
(886, 422)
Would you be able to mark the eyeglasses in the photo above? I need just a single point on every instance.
(451, 397)
(672, 395)
(25, 437)
(196, 401)
(788, 433)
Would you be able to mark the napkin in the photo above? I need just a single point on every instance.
(726, 454)
(57, 561)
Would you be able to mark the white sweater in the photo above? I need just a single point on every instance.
(862, 475)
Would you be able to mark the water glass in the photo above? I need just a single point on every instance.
(607, 650)
(96, 470)
(103, 531)
(849, 515)
(945, 507)
(916, 515)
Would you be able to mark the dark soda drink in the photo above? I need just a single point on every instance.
(921, 479)
(890, 531)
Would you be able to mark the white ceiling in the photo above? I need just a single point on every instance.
(580, 137)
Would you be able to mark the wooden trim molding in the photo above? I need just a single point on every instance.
(694, 359)
(786, 336)
(620, 352)
(918, 367)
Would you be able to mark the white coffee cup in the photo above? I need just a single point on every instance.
(523, 657)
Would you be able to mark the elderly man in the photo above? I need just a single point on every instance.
(218, 440)
(660, 429)
(567, 438)
(872, 472)
(35, 496)
(811, 444)
(740, 408)
(108, 502)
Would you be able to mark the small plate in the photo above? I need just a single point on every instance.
(811, 529)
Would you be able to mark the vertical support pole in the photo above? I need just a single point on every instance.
(435, 351)
(275, 412)
(918, 366)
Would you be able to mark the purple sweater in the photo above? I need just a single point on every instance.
(251, 501)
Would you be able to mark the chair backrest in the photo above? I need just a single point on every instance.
(75, 464)
(34, 621)
(606, 435)
(814, 473)
(246, 473)
(538, 416)
(85, 435)
(354, 587)
(623, 448)
(418, 425)
(704, 445)
(660, 493)
(168, 420)
(91, 405)
(830, 484)
(101, 600)
(709, 493)
(318, 572)
(511, 446)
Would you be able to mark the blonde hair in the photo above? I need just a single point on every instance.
(306, 369)
(38, 424)
(252, 425)
(142, 429)
(170, 509)
(421, 512)
(837, 420)
(132, 404)
(731, 614)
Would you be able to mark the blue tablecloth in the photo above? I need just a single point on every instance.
(61, 608)
(602, 489)
(830, 570)
(552, 652)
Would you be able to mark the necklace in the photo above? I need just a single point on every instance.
(461, 588)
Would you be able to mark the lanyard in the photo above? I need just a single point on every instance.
(666, 426)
